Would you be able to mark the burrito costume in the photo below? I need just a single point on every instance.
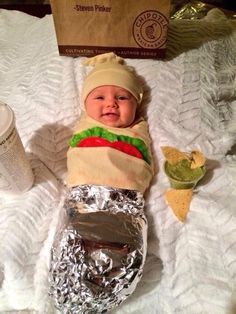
(100, 248)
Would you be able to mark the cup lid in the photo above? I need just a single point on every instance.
(6, 118)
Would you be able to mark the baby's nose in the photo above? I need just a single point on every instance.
(112, 102)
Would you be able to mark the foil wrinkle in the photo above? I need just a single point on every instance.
(98, 255)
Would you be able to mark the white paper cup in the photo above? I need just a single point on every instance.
(16, 175)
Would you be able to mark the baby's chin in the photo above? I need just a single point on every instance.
(115, 123)
(112, 123)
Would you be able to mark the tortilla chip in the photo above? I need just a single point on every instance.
(173, 155)
(198, 159)
(179, 201)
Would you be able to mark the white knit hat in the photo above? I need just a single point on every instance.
(109, 69)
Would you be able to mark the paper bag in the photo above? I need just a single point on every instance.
(129, 28)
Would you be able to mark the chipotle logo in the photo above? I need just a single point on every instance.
(149, 29)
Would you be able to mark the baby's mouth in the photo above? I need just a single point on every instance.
(110, 117)
(110, 114)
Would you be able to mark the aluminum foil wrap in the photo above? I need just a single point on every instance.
(99, 251)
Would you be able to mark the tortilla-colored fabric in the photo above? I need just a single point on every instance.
(106, 165)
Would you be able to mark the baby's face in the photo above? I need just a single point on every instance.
(111, 105)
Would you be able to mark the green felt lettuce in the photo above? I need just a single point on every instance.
(111, 137)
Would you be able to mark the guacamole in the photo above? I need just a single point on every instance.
(181, 176)
(182, 171)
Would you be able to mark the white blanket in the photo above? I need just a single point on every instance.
(191, 103)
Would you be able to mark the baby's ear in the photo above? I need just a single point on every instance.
(102, 58)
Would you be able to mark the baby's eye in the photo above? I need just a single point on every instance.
(99, 97)
(121, 97)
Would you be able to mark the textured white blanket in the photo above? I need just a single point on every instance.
(191, 103)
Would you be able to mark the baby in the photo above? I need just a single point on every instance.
(100, 248)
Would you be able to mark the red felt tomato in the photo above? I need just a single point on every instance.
(95, 141)
(127, 148)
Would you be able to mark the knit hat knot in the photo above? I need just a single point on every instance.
(109, 69)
